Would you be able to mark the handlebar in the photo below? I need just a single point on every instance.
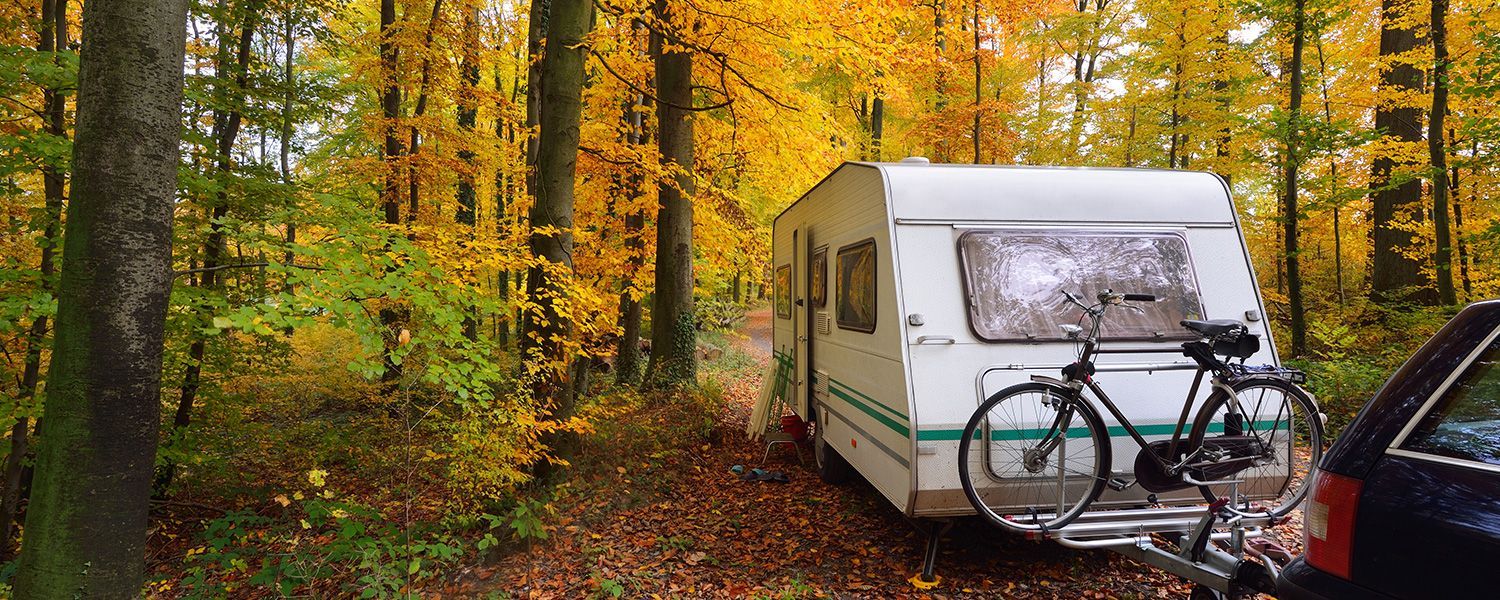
(1110, 297)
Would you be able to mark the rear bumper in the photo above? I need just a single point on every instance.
(1300, 581)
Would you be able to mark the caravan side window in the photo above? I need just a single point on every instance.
(856, 286)
(1014, 281)
(820, 278)
(783, 291)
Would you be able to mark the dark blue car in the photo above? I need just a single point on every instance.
(1407, 501)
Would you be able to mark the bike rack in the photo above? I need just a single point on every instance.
(1199, 530)
(1230, 572)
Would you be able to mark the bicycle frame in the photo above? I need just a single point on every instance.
(1080, 376)
(1077, 384)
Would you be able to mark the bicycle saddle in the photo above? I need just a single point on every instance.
(1215, 328)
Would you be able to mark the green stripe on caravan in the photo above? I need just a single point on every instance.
(942, 435)
(867, 398)
(899, 428)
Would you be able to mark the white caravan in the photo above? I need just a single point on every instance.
(907, 293)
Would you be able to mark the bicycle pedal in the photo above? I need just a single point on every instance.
(1119, 485)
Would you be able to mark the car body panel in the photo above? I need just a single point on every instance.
(1438, 521)
(1426, 526)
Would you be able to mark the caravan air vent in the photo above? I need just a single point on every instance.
(915, 160)
(825, 324)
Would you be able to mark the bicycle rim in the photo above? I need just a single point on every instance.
(1276, 424)
(1007, 475)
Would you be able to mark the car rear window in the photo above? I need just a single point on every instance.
(1014, 281)
(1465, 422)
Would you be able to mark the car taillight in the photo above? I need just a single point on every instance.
(1330, 522)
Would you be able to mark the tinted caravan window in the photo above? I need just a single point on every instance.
(856, 286)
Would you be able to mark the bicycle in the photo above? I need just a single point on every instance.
(1046, 446)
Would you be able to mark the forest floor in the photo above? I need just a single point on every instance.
(675, 522)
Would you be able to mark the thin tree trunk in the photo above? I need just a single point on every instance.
(414, 146)
(877, 126)
(468, 118)
(628, 348)
(227, 126)
(1220, 87)
(1290, 216)
(503, 190)
(1178, 142)
(1438, 152)
(536, 39)
(1333, 171)
(1397, 199)
(940, 82)
(289, 78)
(94, 460)
(674, 335)
(53, 38)
(1458, 218)
(552, 215)
(978, 83)
(390, 156)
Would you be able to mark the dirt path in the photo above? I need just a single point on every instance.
(677, 523)
(757, 332)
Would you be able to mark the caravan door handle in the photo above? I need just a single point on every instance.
(936, 340)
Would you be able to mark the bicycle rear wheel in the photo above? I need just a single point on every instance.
(1272, 425)
(1032, 458)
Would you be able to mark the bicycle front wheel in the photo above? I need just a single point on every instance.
(1033, 457)
(1263, 442)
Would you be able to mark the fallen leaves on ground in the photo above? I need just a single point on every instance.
(680, 524)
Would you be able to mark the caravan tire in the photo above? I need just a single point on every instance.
(832, 468)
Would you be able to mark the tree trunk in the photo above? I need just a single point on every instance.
(1458, 220)
(1437, 150)
(53, 37)
(289, 79)
(468, 118)
(1396, 277)
(557, 161)
(977, 83)
(86, 525)
(503, 189)
(674, 336)
(940, 82)
(628, 347)
(536, 37)
(877, 126)
(1220, 86)
(390, 156)
(1175, 158)
(1290, 216)
(227, 127)
(1333, 171)
(1085, 61)
(414, 145)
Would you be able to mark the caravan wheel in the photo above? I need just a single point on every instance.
(832, 468)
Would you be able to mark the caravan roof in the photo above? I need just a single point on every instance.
(951, 192)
